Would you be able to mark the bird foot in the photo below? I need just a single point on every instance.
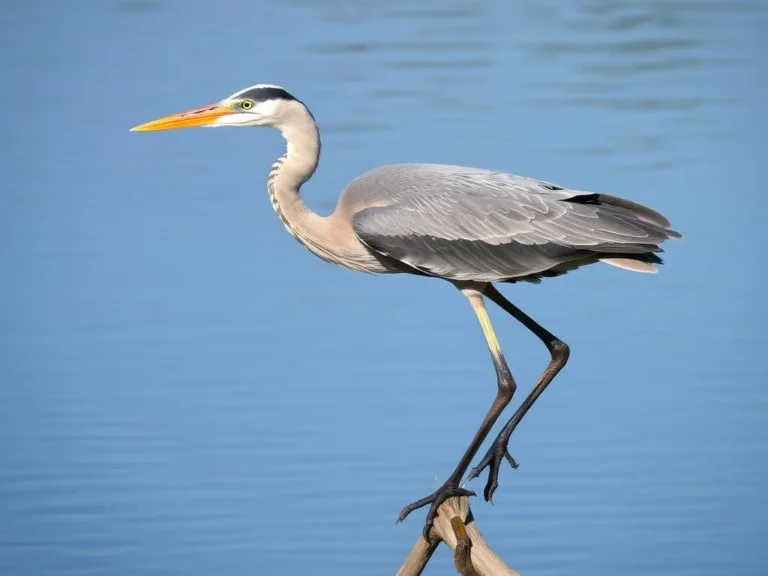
(492, 460)
(448, 490)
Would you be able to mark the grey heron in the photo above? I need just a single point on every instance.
(469, 226)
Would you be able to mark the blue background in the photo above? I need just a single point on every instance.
(185, 390)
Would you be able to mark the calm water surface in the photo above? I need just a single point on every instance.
(186, 390)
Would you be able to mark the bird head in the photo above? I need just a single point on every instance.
(260, 105)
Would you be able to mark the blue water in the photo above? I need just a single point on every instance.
(185, 390)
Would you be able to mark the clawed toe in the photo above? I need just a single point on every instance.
(492, 460)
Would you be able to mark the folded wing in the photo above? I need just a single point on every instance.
(468, 224)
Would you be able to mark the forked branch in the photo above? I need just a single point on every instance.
(456, 527)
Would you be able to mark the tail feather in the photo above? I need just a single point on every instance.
(631, 264)
(628, 207)
(633, 256)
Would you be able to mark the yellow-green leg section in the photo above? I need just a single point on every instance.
(505, 390)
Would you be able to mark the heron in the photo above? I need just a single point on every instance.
(472, 227)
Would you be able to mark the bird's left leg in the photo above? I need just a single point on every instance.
(559, 353)
(506, 388)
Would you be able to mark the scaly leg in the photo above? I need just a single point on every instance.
(506, 388)
(559, 352)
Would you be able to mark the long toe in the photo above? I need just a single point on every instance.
(492, 460)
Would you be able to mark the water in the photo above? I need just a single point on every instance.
(185, 390)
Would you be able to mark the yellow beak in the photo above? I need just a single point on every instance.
(204, 116)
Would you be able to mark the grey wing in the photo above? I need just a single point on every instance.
(468, 224)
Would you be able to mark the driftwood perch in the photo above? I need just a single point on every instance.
(456, 526)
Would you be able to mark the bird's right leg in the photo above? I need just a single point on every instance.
(559, 353)
(506, 388)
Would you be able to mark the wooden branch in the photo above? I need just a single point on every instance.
(455, 526)
(418, 557)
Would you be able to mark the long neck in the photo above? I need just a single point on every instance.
(293, 169)
(288, 174)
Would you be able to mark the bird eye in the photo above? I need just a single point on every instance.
(246, 104)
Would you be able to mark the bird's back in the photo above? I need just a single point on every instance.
(395, 182)
(466, 223)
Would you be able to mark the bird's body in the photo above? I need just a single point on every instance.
(472, 227)
(469, 224)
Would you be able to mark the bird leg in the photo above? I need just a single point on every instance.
(559, 353)
(506, 388)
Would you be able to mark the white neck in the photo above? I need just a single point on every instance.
(293, 169)
(331, 238)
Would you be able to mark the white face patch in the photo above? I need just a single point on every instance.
(238, 119)
(268, 108)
